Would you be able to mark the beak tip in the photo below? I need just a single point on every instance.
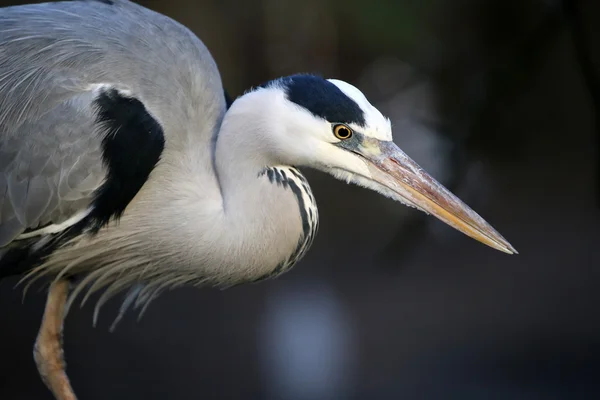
(507, 248)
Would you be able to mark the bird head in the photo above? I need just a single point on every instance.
(329, 125)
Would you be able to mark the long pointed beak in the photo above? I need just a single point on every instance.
(392, 168)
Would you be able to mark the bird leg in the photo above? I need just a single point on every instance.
(48, 351)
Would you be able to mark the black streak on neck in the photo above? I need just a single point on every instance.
(279, 177)
(131, 146)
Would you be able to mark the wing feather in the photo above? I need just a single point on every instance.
(64, 72)
(52, 167)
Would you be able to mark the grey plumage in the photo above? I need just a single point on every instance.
(54, 59)
(203, 195)
(122, 167)
(50, 168)
(58, 58)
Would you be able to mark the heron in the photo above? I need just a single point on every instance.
(124, 168)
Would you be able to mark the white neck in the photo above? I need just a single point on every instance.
(261, 219)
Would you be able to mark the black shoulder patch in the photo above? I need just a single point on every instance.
(131, 147)
(323, 99)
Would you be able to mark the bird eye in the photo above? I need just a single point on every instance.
(342, 132)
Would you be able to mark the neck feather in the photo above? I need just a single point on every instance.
(269, 212)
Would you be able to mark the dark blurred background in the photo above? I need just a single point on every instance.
(498, 100)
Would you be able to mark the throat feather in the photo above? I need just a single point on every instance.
(291, 179)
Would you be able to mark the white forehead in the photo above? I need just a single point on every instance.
(378, 126)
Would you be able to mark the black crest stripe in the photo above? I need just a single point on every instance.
(323, 99)
(131, 147)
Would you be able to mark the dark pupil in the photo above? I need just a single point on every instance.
(343, 132)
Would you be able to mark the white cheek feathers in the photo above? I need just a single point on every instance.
(341, 163)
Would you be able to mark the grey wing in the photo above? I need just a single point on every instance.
(50, 166)
(67, 71)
